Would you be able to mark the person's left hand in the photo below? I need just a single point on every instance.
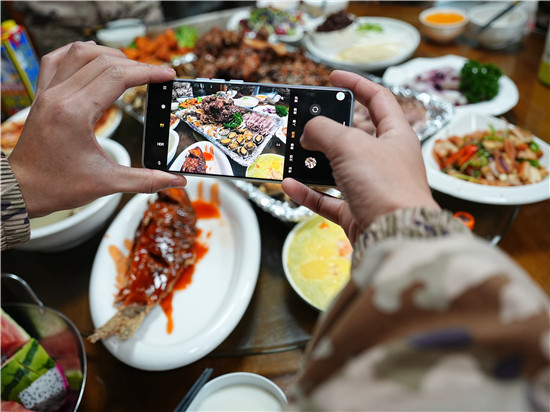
(57, 161)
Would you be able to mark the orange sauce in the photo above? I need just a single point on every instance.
(207, 209)
(209, 155)
(122, 263)
(444, 18)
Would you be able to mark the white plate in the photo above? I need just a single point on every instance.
(505, 100)
(246, 101)
(394, 32)
(173, 142)
(219, 165)
(208, 310)
(497, 195)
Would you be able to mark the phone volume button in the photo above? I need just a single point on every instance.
(236, 81)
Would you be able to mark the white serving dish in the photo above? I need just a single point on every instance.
(210, 307)
(494, 195)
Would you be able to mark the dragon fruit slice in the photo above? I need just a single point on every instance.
(47, 393)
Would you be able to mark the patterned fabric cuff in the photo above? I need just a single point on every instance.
(15, 220)
(408, 223)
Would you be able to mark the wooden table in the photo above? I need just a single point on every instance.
(61, 279)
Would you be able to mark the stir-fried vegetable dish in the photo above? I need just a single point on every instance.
(508, 157)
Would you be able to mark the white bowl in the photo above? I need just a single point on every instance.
(120, 35)
(443, 32)
(66, 232)
(239, 391)
(505, 31)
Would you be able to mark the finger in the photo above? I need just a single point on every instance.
(320, 203)
(48, 67)
(141, 180)
(111, 81)
(327, 136)
(79, 55)
(383, 107)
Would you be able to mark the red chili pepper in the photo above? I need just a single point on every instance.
(465, 218)
(462, 155)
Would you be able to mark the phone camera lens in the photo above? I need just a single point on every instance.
(340, 96)
(315, 109)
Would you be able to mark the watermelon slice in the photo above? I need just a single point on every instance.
(23, 368)
(13, 336)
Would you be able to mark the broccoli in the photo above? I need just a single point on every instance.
(479, 81)
(281, 111)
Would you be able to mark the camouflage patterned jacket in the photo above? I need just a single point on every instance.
(432, 319)
(15, 220)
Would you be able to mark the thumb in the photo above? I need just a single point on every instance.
(142, 180)
(320, 134)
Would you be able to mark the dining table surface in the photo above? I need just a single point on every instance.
(61, 279)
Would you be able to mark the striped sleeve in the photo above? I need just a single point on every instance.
(15, 220)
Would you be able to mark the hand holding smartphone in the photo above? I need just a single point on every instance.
(237, 129)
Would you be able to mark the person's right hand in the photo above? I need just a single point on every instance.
(57, 160)
(376, 174)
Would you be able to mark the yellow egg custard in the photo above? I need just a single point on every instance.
(317, 260)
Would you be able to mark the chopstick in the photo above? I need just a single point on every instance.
(197, 386)
(495, 18)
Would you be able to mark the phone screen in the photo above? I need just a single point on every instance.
(239, 130)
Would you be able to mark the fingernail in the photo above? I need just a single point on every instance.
(182, 182)
(169, 69)
(90, 42)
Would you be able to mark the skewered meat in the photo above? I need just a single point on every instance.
(164, 247)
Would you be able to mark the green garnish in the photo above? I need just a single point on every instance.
(186, 36)
(236, 122)
(534, 147)
(479, 82)
(281, 111)
(370, 27)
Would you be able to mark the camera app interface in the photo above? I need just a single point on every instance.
(244, 130)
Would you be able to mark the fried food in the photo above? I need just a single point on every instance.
(164, 247)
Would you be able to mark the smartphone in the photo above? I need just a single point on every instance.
(239, 129)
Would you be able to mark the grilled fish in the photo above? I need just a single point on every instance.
(164, 246)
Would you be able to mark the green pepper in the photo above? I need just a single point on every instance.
(534, 146)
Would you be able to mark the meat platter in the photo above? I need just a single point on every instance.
(242, 144)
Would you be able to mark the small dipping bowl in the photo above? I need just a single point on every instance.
(239, 391)
(443, 24)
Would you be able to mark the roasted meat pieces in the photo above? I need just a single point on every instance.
(194, 161)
